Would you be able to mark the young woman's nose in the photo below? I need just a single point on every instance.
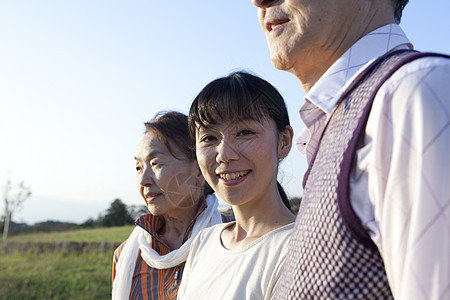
(226, 152)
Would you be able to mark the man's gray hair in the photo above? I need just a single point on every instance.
(399, 6)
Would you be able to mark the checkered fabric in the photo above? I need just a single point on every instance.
(330, 255)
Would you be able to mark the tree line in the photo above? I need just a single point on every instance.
(118, 214)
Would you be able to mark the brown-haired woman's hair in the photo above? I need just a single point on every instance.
(171, 128)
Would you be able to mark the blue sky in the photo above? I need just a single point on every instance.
(79, 78)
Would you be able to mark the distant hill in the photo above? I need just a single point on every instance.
(54, 226)
(47, 226)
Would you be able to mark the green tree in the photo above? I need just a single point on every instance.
(117, 215)
(137, 210)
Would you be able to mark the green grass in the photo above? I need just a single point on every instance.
(110, 234)
(60, 275)
(55, 276)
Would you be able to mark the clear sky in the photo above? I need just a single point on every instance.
(79, 78)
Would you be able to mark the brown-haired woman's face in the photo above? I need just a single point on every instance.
(168, 184)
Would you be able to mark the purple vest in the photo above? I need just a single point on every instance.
(331, 256)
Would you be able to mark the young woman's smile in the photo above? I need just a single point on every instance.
(233, 178)
(238, 159)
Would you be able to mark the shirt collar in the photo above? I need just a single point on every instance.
(328, 89)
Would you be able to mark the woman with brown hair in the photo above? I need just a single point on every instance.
(150, 263)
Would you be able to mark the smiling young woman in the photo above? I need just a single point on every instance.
(241, 128)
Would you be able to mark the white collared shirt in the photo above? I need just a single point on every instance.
(400, 185)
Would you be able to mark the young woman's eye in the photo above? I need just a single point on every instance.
(245, 132)
(208, 139)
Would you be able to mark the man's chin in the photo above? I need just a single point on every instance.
(280, 62)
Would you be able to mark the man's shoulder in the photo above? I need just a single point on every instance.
(428, 62)
(428, 72)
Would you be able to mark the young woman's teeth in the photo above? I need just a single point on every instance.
(232, 176)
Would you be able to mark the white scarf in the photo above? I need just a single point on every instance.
(141, 239)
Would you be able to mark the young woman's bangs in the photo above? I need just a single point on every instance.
(228, 105)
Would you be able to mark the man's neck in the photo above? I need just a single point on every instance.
(314, 64)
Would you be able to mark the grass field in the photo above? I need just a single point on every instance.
(59, 275)
(111, 234)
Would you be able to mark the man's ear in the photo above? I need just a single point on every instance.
(285, 142)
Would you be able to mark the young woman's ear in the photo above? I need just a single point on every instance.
(285, 142)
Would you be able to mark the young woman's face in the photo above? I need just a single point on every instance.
(239, 159)
(168, 184)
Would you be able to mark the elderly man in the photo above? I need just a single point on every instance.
(375, 218)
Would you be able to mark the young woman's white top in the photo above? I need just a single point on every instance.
(215, 272)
